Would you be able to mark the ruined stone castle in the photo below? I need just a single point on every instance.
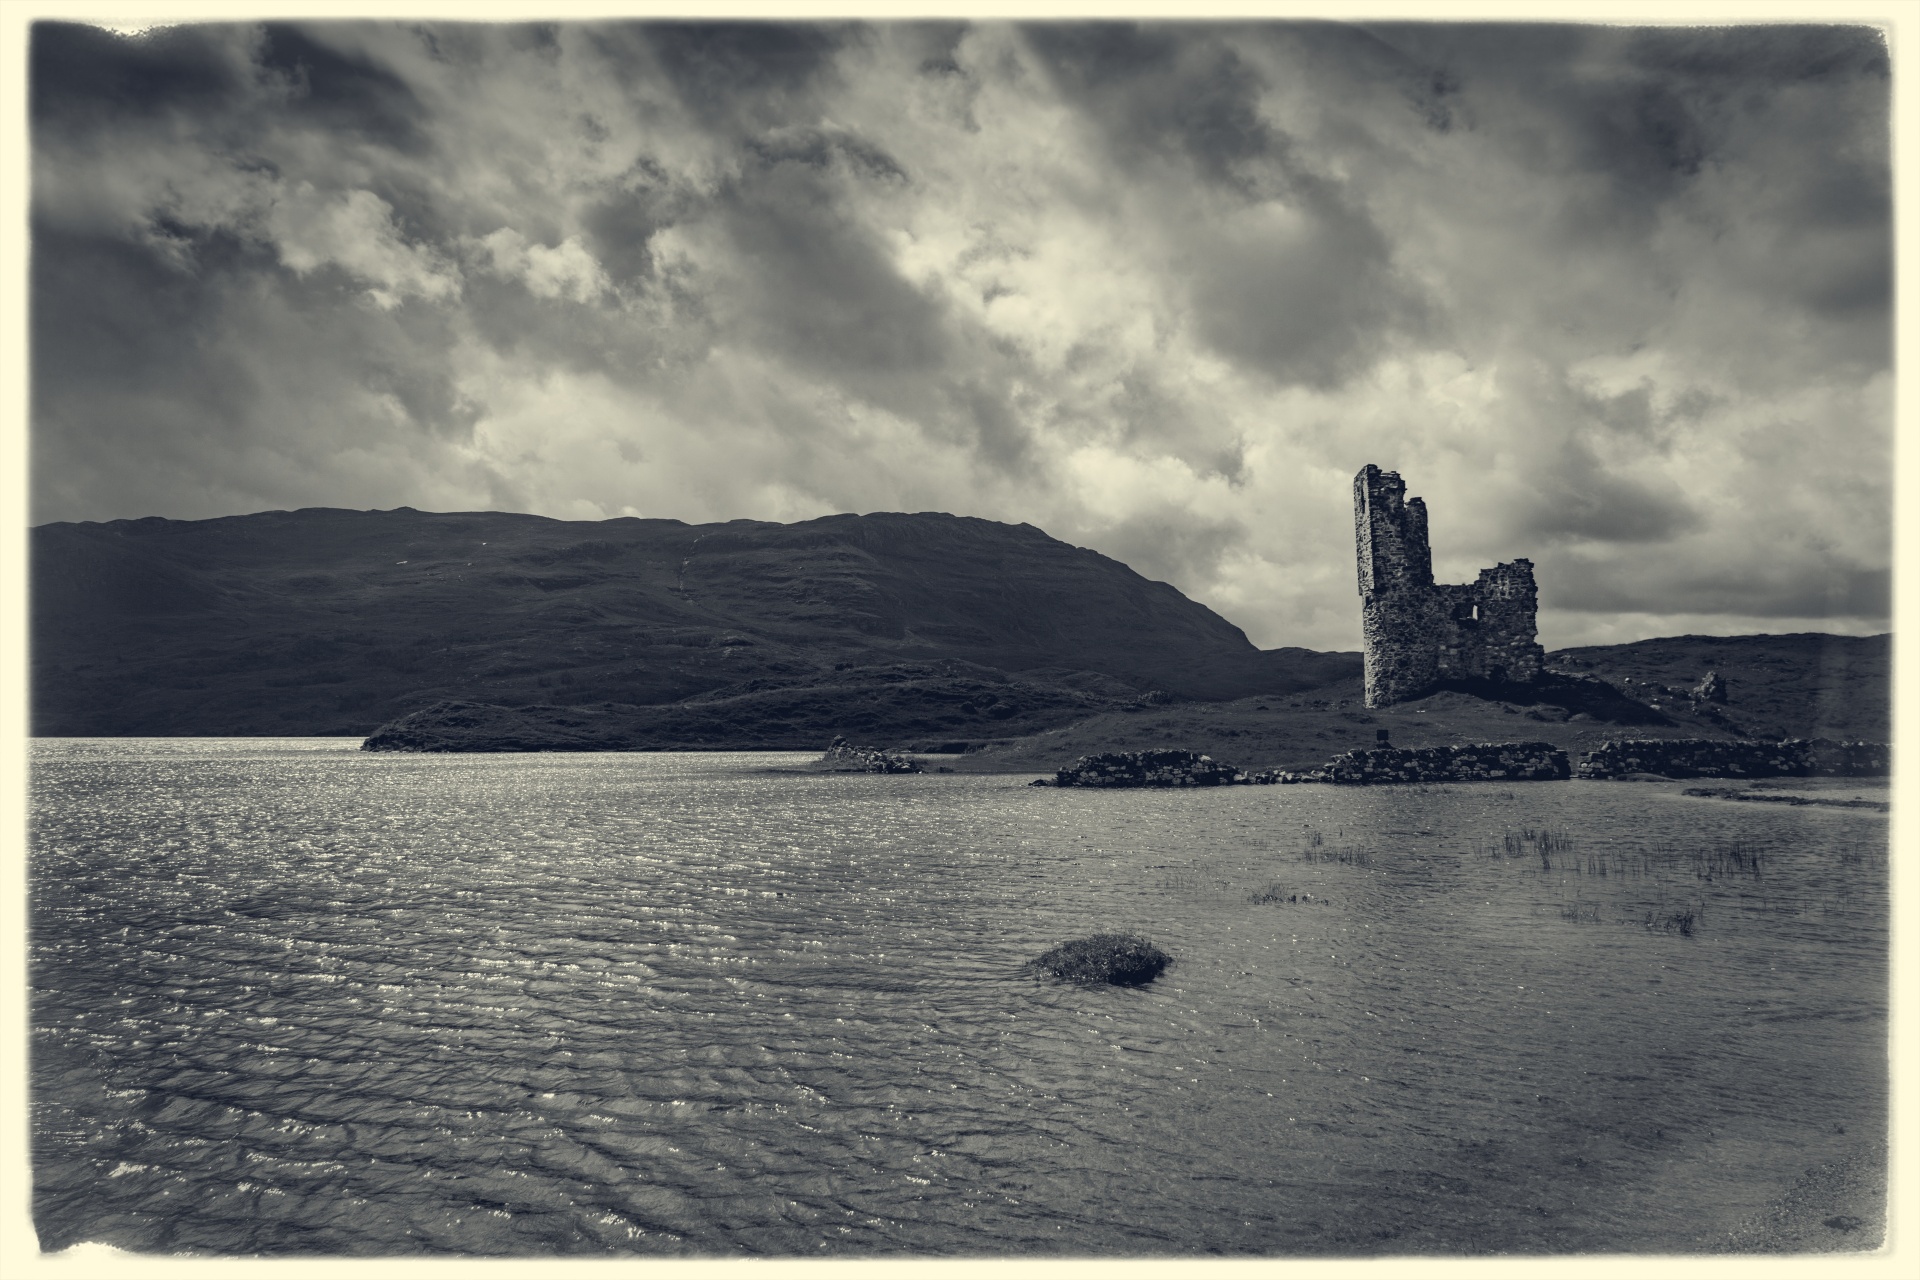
(1419, 635)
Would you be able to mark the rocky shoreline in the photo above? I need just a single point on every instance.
(1375, 766)
(1386, 765)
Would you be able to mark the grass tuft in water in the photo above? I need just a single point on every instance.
(1274, 894)
(1351, 855)
(1725, 862)
(1681, 921)
(1557, 852)
(1532, 842)
(1122, 959)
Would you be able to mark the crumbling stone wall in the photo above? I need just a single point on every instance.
(1148, 769)
(1720, 758)
(1419, 635)
(1478, 762)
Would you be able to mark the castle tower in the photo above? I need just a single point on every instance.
(1396, 587)
(1418, 636)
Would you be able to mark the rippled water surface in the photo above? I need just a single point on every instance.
(290, 997)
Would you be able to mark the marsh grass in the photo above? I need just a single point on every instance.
(1275, 895)
(1543, 843)
(1734, 861)
(1314, 848)
(1667, 918)
(1350, 855)
(1681, 920)
(1558, 851)
(1664, 886)
(1728, 861)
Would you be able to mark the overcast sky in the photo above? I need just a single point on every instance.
(1614, 299)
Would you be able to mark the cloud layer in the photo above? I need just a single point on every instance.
(1616, 299)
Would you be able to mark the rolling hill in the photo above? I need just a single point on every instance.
(483, 630)
(325, 622)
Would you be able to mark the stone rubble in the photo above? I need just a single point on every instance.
(1712, 688)
(842, 756)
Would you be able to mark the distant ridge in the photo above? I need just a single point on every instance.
(325, 621)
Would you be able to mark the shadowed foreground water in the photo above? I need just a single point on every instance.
(289, 997)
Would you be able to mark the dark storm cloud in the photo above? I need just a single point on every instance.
(621, 225)
(150, 392)
(333, 90)
(824, 290)
(1173, 545)
(817, 285)
(1618, 298)
(1773, 55)
(1157, 90)
(1647, 108)
(85, 359)
(1808, 588)
(1298, 285)
(1585, 502)
(1308, 300)
(81, 76)
(1572, 495)
(738, 77)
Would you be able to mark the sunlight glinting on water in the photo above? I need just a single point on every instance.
(289, 997)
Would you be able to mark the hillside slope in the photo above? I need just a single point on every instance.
(325, 621)
(1805, 684)
(1785, 686)
(1780, 687)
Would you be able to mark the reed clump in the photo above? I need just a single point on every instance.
(1275, 894)
(1733, 861)
(1351, 855)
(1728, 861)
(1543, 843)
(1557, 851)
(1681, 921)
(1119, 959)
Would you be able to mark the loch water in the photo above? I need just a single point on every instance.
(289, 997)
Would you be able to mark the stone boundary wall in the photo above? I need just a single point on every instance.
(1719, 758)
(1479, 762)
(1148, 769)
